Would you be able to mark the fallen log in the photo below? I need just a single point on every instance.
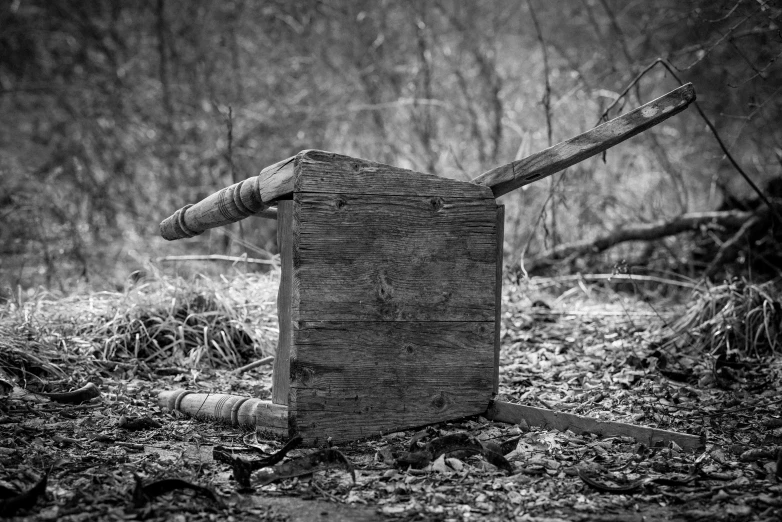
(642, 232)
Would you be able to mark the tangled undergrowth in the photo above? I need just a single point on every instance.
(605, 356)
(161, 321)
(738, 317)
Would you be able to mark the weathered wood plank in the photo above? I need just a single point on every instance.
(327, 172)
(514, 413)
(398, 259)
(356, 379)
(498, 295)
(281, 372)
(567, 153)
(276, 182)
(232, 204)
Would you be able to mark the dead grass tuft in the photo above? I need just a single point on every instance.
(23, 355)
(159, 320)
(737, 317)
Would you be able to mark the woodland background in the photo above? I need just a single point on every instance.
(115, 114)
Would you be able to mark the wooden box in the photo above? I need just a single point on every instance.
(388, 301)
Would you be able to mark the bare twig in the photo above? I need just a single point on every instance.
(726, 16)
(759, 72)
(713, 46)
(163, 57)
(537, 222)
(729, 246)
(618, 30)
(253, 365)
(709, 124)
(547, 93)
(489, 75)
(475, 129)
(549, 134)
(604, 116)
(230, 157)
(422, 117)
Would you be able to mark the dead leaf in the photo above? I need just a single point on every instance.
(143, 494)
(137, 423)
(307, 465)
(83, 394)
(440, 466)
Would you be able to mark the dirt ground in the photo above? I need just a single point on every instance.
(602, 356)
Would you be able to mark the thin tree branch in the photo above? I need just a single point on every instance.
(713, 46)
(729, 246)
(230, 157)
(722, 18)
(604, 117)
(547, 93)
(618, 30)
(549, 131)
(709, 124)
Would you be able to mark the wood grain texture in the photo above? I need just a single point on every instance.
(563, 155)
(276, 182)
(232, 204)
(234, 409)
(393, 299)
(514, 413)
(269, 213)
(498, 295)
(331, 173)
(404, 258)
(281, 372)
(355, 379)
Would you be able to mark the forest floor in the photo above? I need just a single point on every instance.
(588, 351)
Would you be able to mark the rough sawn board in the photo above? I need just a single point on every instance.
(392, 296)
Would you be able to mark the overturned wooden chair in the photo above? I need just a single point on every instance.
(389, 300)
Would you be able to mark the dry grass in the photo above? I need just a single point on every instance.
(159, 320)
(23, 356)
(737, 317)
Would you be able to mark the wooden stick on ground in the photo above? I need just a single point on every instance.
(514, 413)
(254, 364)
(215, 257)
